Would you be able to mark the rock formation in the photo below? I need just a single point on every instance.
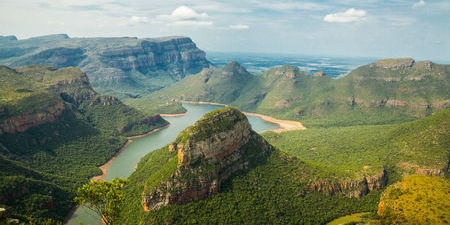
(352, 188)
(111, 63)
(395, 64)
(209, 152)
(44, 94)
(319, 74)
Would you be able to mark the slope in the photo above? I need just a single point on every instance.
(124, 66)
(52, 121)
(235, 179)
(387, 91)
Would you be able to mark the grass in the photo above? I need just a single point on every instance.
(43, 166)
(369, 95)
(358, 151)
(357, 218)
(417, 199)
(273, 190)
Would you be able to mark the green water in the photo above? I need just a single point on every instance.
(125, 162)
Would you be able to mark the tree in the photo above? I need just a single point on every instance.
(103, 197)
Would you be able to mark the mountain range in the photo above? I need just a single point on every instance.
(386, 91)
(68, 105)
(123, 67)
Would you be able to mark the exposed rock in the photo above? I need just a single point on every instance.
(394, 64)
(394, 102)
(287, 71)
(105, 101)
(209, 152)
(22, 123)
(319, 74)
(352, 188)
(111, 63)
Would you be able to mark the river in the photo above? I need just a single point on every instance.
(126, 161)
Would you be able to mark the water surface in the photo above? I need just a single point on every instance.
(126, 161)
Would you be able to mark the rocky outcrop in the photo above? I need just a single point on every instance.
(22, 123)
(127, 63)
(209, 152)
(394, 64)
(352, 188)
(155, 54)
(319, 74)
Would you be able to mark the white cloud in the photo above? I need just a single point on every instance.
(131, 21)
(351, 15)
(184, 15)
(287, 6)
(239, 27)
(419, 4)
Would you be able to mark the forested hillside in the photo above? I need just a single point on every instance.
(387, 91)
(54, 132)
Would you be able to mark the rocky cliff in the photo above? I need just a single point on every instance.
(36, 95)
(121, 66)
(209, 152)
(352, 188)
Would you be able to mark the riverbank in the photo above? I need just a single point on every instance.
(174, 114)
(204, 103)
(104, 167)
(285, 125)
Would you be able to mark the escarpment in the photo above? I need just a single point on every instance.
(217, 146)
(123, 66)
(37, 95)
(352, 188)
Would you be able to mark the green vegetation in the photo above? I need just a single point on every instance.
(417, 199)
(124, 67)
(54, 133)
(103, 197)
(378, 93)
(357, 151)
(273, 190)
(214, 122)
(154, 106)
(357, 218)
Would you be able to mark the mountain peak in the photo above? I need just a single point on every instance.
(395, 63)
(234, 67)
(285, 70)
(209, 152)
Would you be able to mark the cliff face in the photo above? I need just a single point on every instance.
(131, 65)
(22, 123)
(209, 152)
(179, 56)
(353, 188)
(37, 95)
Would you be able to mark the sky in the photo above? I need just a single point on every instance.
(352, 28)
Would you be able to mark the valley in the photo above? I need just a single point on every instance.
(205, 144)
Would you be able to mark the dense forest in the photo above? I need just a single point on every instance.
(55, 132)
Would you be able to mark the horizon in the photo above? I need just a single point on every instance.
(373, 29)
(266, 54)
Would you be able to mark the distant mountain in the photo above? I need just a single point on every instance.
(54, 132)
(123, 67)
(391, 90)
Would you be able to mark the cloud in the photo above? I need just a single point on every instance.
(239, 27)
(184, 15)
(131, 21)
(288, 6)
(351, 15)
(418, 4)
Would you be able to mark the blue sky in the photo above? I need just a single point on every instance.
(375, 28)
